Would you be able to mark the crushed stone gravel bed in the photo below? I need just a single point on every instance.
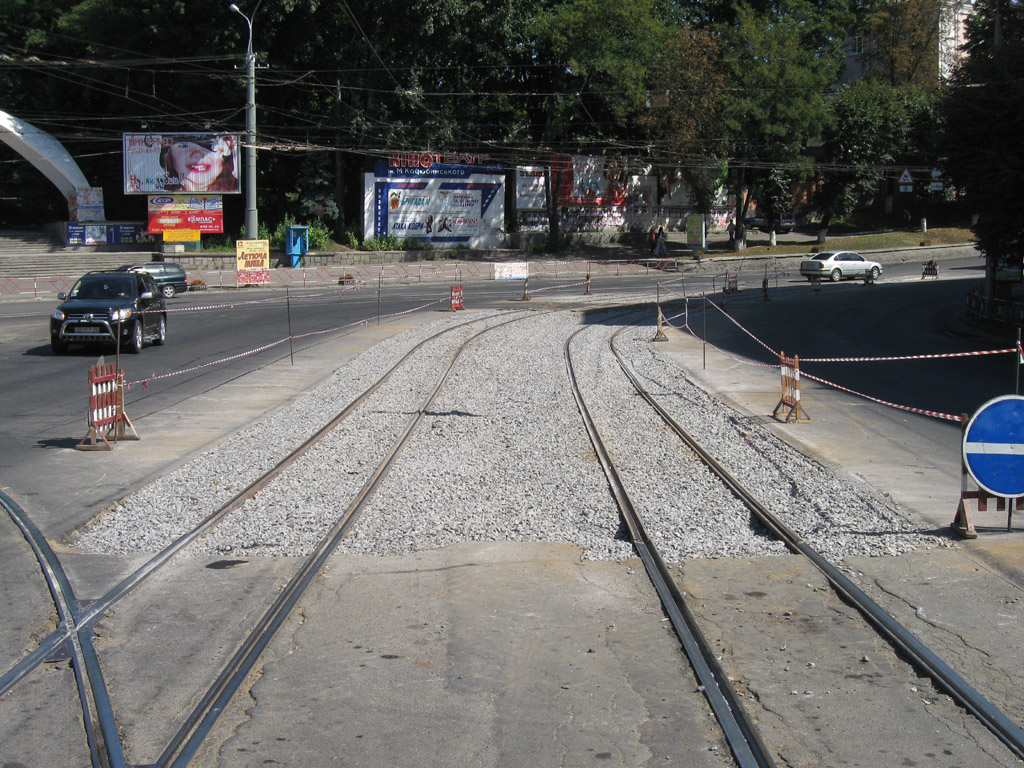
(503, 456)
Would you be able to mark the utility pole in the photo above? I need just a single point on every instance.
(251, 218)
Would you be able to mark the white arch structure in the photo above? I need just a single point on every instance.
(45, 153)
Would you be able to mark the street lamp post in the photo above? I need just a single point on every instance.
(251, 219)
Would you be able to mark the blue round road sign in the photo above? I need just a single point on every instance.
(994, 446)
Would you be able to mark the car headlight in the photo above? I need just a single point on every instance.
(57, 314)
(120, 315)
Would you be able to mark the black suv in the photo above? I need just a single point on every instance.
(103, 306)
(169, 277)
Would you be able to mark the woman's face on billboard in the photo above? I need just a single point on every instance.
(196, 165)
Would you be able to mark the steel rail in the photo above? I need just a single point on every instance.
(197, 726)
(903, 639)
(96, 610)
(744, 740)
(88, 674)
(75, 626)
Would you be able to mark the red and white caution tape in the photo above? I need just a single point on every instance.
(923, 412)
(904, 357)
(734, 322)
(271, 345)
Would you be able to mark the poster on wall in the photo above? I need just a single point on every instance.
(181, 162)
(589, 180)
(253, 262)
(531, 188)
(440, 202)
(86, 204)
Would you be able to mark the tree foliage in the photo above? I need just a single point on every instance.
(903, 41)
(983, 120)
(778, 74)
(874, 127)
(695, 87)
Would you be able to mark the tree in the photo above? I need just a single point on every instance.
(598, 52)
(902, 41)
(780, 63)
(983, 120)
(682, 114)
(873, 126)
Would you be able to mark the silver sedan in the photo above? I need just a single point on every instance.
(837, 265)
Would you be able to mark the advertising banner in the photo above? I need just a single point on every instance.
(181, 162)
(86, 204)
(181, 235)
(253, 260)
(531, 188)
(515, 270)
(86, 234)
(202, 213)
(588, 180)
(696, 231)
(438, 202)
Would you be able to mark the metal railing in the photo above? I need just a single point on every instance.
(980, 307)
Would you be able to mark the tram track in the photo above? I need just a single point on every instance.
(196, 728)
(745, 742)
(76, 621)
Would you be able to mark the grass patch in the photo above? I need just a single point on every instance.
(874, 241)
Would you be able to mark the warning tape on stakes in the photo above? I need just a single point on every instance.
(921, 411)
(145, 382)
(555, 287)
(905, 357)
(909, 409)
(249, 302)
(736, 323)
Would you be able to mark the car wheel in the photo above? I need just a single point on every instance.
(875, 273)
(135, 345)
(168, 291)
(836, 275)
(58, 347)
(161, 331)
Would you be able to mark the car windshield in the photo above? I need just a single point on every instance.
(822, 256)
(102, 287)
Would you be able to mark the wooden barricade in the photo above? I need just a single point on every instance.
(106, 409)
(456, 298)
(790, 368)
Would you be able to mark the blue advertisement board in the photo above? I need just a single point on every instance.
(454, 204)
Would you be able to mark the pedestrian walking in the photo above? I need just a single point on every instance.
(731, 229)
(661, 244)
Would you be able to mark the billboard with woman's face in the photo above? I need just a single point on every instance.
(181, 162)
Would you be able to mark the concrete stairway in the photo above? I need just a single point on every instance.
(35, 254)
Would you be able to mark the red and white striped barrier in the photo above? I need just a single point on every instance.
(106, 409)
(790, 400)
